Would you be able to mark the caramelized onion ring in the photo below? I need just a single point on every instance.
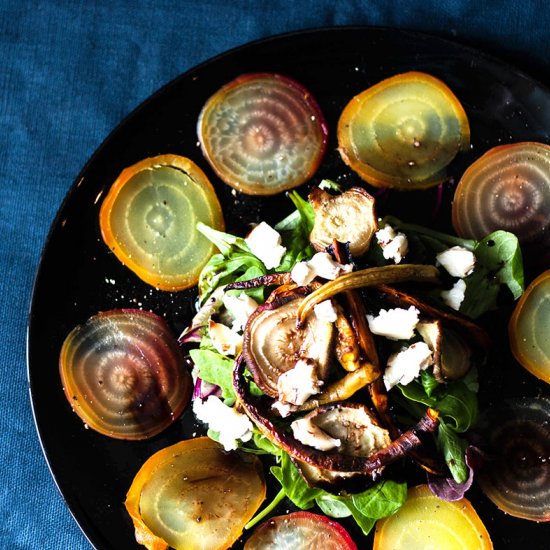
(262, 133)
(518, 479)
(122, 372)
(507, 188)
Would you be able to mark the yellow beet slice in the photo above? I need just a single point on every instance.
(403, 132)
(194, 495)
(425, 522)
(149, 218)
(529, 328)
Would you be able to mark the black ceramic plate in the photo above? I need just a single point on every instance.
(78, 276)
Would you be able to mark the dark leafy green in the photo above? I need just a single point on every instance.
(216, 369)
(458, 408)
(295, 230)
(235, 262)
(380, 500)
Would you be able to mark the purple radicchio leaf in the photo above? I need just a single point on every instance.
(204, 389)
(446, 488)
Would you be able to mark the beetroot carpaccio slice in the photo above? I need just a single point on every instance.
(123, 374)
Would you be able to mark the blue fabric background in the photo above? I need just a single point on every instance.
(69, 72)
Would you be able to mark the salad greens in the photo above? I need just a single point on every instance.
(498, 265)
(380, 500)
(235, 261)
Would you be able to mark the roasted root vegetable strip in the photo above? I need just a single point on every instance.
(343, 388)
(272, 279)
(371, 276)
(347, 347)
(258, 410)
(357, 313)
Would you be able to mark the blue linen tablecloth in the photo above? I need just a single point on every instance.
(69, 72)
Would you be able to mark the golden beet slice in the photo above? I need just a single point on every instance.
(149, 218)
(194, 495)
(403, 132)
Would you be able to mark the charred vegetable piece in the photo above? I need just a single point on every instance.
(529, 328)
(346, 348)
(426, 521)
(123, 374)
(353, 425)
(349, 217)
(272, 344)
(507, 188)
(371, 276)
(403, 132)
(149, 217)
(262, 133)
(517, 479)
(343, 388)
(300, 531)
(452, 355)
(193, 495)
(259, 411)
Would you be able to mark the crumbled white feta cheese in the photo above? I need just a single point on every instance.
(394, 245)
(284, 409)
(320, 265)
(394, 324)
(404, 366)
(240, 307)
(296, 385)
(265, 243)
(455, 295)
(225, 340)
(325, 311)
(230, 424)
(458, 261)
(308, 433)
(325, 266)
(303, 273)
(385, 235)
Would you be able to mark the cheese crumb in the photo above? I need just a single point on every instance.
(265, 243)
(455, 296)
(394, 245)
(224, 339)
(297, 385)
(240, 307)
(404, 366)
(231, 425)
(394, 324)
(458, 261)
(320, 265)
(325, 311)
(310, 434)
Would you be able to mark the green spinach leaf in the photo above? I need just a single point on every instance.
(215, 369)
